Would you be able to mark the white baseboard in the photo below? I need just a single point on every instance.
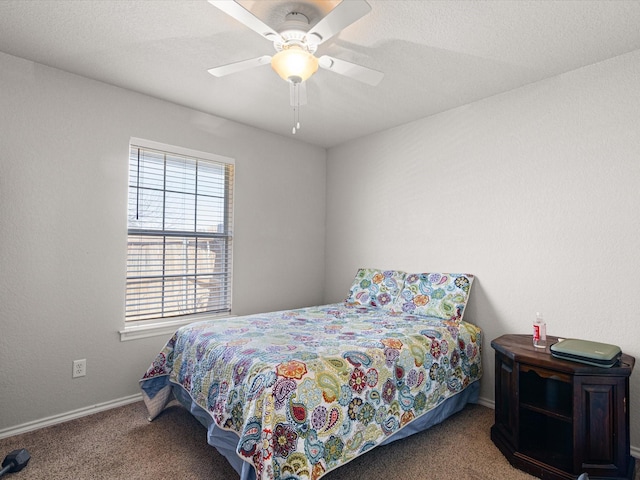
(486, 402)
(65, 417)
(100, 407)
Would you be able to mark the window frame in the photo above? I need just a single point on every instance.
(134, 329)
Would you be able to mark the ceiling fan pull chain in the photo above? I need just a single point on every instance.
(294, 109)
(295, 101)
(298, 106)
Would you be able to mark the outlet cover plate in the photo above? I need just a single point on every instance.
(79, 368)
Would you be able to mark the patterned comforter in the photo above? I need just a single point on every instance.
(308, 390)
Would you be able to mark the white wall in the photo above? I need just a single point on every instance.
(63, 190)
(536, 192)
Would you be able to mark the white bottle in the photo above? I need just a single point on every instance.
(539, 332)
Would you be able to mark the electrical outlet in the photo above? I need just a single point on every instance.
(79, 368)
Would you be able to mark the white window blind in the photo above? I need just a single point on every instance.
(180, 213)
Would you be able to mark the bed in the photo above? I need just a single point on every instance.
(297, 393)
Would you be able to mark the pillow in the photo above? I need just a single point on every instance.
(375, 288)
(441, 295)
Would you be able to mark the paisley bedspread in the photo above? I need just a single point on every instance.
(308, 390)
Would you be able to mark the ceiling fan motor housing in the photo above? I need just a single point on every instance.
(293, 32)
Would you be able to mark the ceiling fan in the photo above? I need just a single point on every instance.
(296, 43)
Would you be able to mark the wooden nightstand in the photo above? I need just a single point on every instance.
(556, 419)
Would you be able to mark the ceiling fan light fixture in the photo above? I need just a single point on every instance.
(294, 64)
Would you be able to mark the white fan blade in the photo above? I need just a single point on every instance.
(244, 16)
(230, 68)
(351, 70)
(301, 93)
(343, 15)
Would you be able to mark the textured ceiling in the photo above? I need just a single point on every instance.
(436, 55)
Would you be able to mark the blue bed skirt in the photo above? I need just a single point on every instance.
(226, 442)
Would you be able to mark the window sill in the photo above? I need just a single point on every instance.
(165, 328)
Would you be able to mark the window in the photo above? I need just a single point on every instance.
(179, 232)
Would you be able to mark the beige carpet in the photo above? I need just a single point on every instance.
(122, 444)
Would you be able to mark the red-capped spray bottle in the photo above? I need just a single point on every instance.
(539, 332)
